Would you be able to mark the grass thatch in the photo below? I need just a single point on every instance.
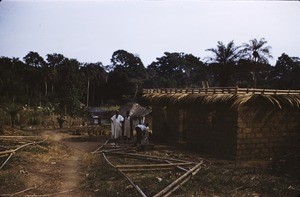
(232, 100)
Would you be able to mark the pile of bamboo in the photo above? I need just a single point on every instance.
(162, 163)
(8, 153)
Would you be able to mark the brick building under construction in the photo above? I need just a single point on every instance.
(234, 123)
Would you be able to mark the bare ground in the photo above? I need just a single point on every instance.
(64, 166)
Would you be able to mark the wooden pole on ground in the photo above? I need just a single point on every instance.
(179, 181)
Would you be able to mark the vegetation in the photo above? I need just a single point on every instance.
(69, 84)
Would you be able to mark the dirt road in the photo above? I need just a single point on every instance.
(71, 165)
(55, 168)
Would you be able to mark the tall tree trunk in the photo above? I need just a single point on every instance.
(52, 88)
(136, 91)
(46, 88)
(88, 92)
(94, 90)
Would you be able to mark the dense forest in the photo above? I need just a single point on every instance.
(65, 84)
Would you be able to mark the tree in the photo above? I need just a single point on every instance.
(35, 60)
(54, 60)
(128, 74)
(224, 57)
(70, 89)
(12, 109)
(176, 70)
(286, 72)
(257, 52)
(12, 80)
(95, 75)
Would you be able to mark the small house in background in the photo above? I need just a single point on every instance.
(235, 123)
(99, 116)
(95, 115)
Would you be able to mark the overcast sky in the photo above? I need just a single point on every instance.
(91, 31)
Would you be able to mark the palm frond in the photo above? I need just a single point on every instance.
(232, 100)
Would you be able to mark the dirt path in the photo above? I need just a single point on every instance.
(70, 167)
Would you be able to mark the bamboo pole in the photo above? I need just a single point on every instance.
(179, 167)
(115, 149)
(19, 136)
(25, 190)
(178, 181)
(145, 169)
(132, 183)
(6, 152)
(11, 154)
(5, 155)
(18, 148)
(153, 165)
(112, 165)
(100, 147)
(53, 194)
(146, 156)
(177, 187)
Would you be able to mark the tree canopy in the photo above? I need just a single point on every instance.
(69, 84)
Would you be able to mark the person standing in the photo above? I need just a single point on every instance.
(116, 125)
(127, 126)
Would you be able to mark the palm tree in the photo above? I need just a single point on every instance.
(257, 52)
(225, 56)
(12, 109)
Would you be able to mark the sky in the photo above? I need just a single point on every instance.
(90, 31)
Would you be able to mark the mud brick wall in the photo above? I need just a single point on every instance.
(173, 123)
(212, 130)
(266, 135)
(159, 127)
(168, 123)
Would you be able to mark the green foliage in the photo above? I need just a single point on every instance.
(286, 72)
(225, 54)
(256, 51)
(224, 58)
(62, 85)
(176, 70)
(95, 78)
(12, 110)
(127, 76)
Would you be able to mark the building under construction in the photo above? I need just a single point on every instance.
(235, 123)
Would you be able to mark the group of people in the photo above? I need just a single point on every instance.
(118, 123)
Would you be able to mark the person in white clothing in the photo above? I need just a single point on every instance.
(116, 125)
(142, 135)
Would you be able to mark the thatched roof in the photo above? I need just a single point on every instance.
(135, 110)
(233, 100)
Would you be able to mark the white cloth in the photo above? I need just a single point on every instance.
(142, 127)
(127, 127)
(145, 134)
(116, 126)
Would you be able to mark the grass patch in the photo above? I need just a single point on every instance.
(9, 180)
